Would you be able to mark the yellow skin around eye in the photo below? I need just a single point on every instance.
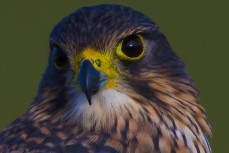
(108, 66)
(125, 57)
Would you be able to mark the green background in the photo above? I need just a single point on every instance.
(197, 30)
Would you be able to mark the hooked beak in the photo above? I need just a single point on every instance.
(90, 79)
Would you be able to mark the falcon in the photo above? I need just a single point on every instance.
(113, 84)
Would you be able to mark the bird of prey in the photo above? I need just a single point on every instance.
(112, 85)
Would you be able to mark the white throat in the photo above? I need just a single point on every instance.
(106, 106)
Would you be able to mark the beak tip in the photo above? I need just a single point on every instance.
(88, 98)
(89, 101)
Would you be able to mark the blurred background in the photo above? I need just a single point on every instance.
(197, 30)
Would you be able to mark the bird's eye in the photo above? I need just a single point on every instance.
(60, 58)
(131, 48)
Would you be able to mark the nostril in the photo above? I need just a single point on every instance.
(98, 62)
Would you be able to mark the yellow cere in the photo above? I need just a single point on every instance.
(125, 57)
(102, 61)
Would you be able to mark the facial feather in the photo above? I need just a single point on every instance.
(106, 107)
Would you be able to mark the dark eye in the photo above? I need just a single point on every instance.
(60, 58)
(131, 48)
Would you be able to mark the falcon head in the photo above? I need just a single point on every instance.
(110, 65)
(112, 84)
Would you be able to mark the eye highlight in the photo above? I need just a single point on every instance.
(60, 58)
(131, 48)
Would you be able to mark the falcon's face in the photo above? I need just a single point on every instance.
(112, 84)
(109, 64)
